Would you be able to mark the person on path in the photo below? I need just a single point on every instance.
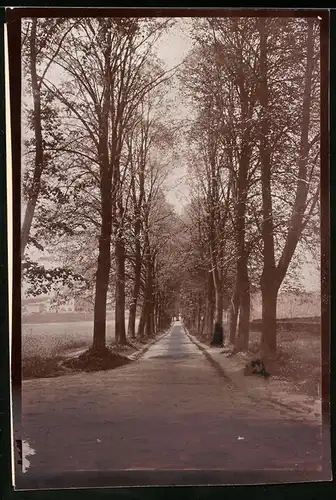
(218, 336)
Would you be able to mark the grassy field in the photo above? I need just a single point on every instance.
(61, 317)
(48, 339)
(298, 358)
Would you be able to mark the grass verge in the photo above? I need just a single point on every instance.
(66, 360)
(297, 361)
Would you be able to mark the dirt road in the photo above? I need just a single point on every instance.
(169, 410)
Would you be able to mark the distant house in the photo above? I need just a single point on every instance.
(45, 303)
(38, 304)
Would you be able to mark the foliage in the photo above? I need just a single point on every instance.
(41, 280)
(101, 141)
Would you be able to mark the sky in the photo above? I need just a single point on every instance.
(173, 48)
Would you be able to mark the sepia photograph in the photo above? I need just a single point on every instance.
(170, 224)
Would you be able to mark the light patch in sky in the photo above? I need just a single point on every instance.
(174, 46)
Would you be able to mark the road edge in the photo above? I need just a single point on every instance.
(237, 385)
(212, 361)
(137, 355)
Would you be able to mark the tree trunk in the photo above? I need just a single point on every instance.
(209, 313)
(158, 314)
(38, 167)
(102, 281)
(104, 254)
(244, 320)
(295, 226)
(132, 315)
(273, 275)
(242, 190)
(135, 292)
(194, 320)
(269, 296)
(219, 307)
(234, 307)
(161, 312)
(242, 340)
(120, 330)
(155, 315)
(199, 313)
(242, 273)
(218, 297)
(142, 321)
(149, 301)
(268, 278)
(202, 324)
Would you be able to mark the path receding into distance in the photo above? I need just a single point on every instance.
(168, 410)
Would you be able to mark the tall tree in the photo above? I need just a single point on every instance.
(106, 61)
(41, 42)
(274, 273)
(149, 141)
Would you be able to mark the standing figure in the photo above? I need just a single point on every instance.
(218, 336)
